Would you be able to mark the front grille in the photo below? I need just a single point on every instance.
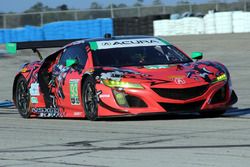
(181, 93)
(194, 106)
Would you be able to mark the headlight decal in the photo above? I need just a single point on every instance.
(222, 77)
(120, 84)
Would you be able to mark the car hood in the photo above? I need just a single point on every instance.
(201, 72)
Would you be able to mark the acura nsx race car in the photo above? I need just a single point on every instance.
(119, 76)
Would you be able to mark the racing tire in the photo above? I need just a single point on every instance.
(22, 97)
(212, 114)
(89, 99)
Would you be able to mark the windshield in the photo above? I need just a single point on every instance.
(139, 56)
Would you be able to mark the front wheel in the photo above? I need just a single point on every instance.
(89, 98)
(211, 114)
(22, 97)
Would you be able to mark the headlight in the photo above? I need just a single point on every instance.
(120, 84)
(222, 77)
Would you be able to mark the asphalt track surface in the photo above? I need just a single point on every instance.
(169, 140)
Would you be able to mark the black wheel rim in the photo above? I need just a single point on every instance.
(90, 100)
(23, 97)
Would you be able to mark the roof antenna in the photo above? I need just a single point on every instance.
(107, 35)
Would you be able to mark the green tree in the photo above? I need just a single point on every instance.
(113, 6)
(183, 2)
(63, 7)
(139, 3)
(38, 7)
(95, 5)
(122, 5)
(157, 2)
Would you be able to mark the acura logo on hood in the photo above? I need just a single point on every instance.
(179, 81)
(106, 44)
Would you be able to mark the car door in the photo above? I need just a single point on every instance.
(68, 79)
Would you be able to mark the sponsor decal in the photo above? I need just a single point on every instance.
(23, 70)
(90, 71)
(77, 113)
(126, 43)
(179, 81)
(47, 112)
(153, 67)
(74, 97)
(104, 95)
(34, 100)
(34, 89)
(114, 76)
(173, 77)
(78, 42)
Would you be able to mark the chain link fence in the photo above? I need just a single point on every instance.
(41, 18)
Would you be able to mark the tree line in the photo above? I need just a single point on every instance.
(40, 7)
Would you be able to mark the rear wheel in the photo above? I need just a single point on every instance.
(211, 114)
(89, 99)
(22, 97)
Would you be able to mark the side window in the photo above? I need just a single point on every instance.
(76, 52)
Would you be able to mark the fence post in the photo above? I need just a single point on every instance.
(138, 11)
(190, 8)
(4, 21)
(112, 11)
(41, 16)
(216, 6)
(163, 9)
(75, 15)
(245, 5)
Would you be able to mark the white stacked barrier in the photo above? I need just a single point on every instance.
(160, 27)
(193, 25)
(239, 22)
(179, 27)
(212, 23)
(247, 21)
(223, 22)
(170, 27)
(209, 23)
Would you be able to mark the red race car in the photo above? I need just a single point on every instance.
(118, 76)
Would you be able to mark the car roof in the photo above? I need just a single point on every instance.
(114, 38)
(119, 37)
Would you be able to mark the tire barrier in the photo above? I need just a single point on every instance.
(241, 22)
(159, 25)
(209, 24)
(136, 25)
(78, 29)
(28, 33)
(59, 30)
(189, 25)
(212, 23)
(223, 22)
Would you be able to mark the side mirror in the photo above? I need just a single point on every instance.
(71, 62)
(197, 55)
